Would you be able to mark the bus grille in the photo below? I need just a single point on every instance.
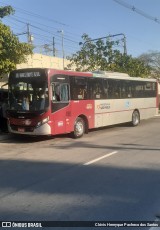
(26, 129)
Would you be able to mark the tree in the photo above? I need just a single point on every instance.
(133, 66)
(12, 52)
(152, 59)
(103, 56)
(5, 11)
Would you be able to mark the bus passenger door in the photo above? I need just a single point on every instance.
(59, 107)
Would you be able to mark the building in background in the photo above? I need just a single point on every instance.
(44, 61)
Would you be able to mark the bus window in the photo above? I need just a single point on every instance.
(139, 89)
(123, 89)
(78, 88)
(96, 90)
(25, 96)
(60, 92)
(105, 86)
(112, 89)
(64, 92)
(129, 89)
(149, 89)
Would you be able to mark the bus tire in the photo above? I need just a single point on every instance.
(135, 118)
(79, 128)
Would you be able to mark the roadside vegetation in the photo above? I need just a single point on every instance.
(12, 51)
(102, 55)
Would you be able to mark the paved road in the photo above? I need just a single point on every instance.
(110, 174)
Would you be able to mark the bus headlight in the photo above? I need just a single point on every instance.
(38, 124)
(45, 120)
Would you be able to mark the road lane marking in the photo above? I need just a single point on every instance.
(100, 158)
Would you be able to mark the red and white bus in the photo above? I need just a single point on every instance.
(50, 102)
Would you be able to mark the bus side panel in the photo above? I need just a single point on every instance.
(82, 108)
(148, 109)
(115, 111)
(59, 123)
(63, 120)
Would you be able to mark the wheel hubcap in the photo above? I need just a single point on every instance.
(79, 128)
(135, 118)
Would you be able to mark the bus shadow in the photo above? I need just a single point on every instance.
(22, 139)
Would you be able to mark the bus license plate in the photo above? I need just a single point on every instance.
(22, 130)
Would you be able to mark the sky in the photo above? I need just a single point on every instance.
(97, 18)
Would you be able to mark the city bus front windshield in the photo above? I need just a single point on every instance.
(28, 95)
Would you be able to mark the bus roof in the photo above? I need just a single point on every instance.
(97, 73)
(117, 75)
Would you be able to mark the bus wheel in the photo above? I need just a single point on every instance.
(79, 128)
(135, 118)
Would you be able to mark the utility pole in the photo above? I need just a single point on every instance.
(29, 36)
(54, 53)
(28, 33)
(125, 45)
(62, 34)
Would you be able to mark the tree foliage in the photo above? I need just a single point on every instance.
(12, 52)
(5, 11)
(152, 59)
(103, 56)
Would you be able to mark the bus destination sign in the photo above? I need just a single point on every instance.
(28, 74)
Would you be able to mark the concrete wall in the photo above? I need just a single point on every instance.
(43, 61)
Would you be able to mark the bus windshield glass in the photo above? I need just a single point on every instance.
(28, 92)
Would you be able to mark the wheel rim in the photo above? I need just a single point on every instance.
(135, 118)
(79, 128)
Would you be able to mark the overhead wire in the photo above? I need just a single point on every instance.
(138, 11)
(45, 30)
(48, 38)
(37, 15)
(68, 38)
(42, 17)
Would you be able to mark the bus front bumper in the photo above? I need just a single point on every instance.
(44, 129)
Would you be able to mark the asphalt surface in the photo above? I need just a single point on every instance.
(111, 174)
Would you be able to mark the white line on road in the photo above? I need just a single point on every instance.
(100, 158)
